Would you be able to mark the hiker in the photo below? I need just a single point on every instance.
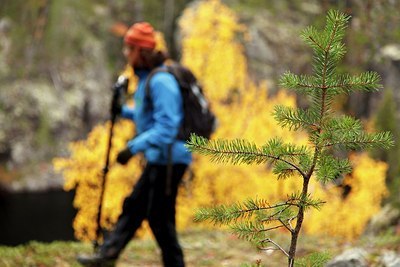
(157, 118)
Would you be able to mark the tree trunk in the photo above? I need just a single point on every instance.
(169, 10)
(138, 10)
(300, 218)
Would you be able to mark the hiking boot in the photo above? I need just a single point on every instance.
(96, 260)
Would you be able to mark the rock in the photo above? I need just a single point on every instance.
(386, 217)
(391, 51)
(49, 115)
(390, 259)
(355, 257)
(272, 46)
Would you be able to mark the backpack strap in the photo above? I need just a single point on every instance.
(148, 78)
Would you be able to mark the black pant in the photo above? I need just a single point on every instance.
(153, 198)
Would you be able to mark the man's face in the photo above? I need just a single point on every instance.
(131, 54)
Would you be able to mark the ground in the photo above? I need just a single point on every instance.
(201, 248)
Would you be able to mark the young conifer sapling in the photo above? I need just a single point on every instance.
(327, 130)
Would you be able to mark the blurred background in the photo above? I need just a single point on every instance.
(59, 59)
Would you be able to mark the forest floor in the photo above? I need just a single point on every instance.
(201, 248)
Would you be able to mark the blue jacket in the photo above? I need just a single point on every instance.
(157, 123)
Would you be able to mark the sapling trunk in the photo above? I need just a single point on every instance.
(300, 218)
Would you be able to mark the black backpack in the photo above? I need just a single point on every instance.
(198, 117)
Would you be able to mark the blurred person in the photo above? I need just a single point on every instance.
(158, 118)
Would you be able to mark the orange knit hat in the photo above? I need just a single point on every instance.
(141, 34)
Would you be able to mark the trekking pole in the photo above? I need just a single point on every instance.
(119, 87)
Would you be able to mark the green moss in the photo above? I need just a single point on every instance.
(42, 254)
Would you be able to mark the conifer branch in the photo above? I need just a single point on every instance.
(252, 231)
(332, 20)
(240, 151)
(273, 216)
(311, 36)
(269, 240)
(288, 226)
(316, 43)
(248, 230)
(302, 83)
(330, 168)
(294, 118)
(367, 81)
(363, 140)
(342, 125)
(282, 171)
(279, 216)
(272, 228)
(305, 201)
(336, 23)
(224, 214)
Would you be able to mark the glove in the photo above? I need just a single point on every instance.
(124, 156)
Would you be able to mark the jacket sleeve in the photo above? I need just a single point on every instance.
(167, 114)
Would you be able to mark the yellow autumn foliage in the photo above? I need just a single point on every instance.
(346, 215)
(83, 171)
(210, 47)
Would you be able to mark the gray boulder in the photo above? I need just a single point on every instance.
(390, 259)
(355, 257)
